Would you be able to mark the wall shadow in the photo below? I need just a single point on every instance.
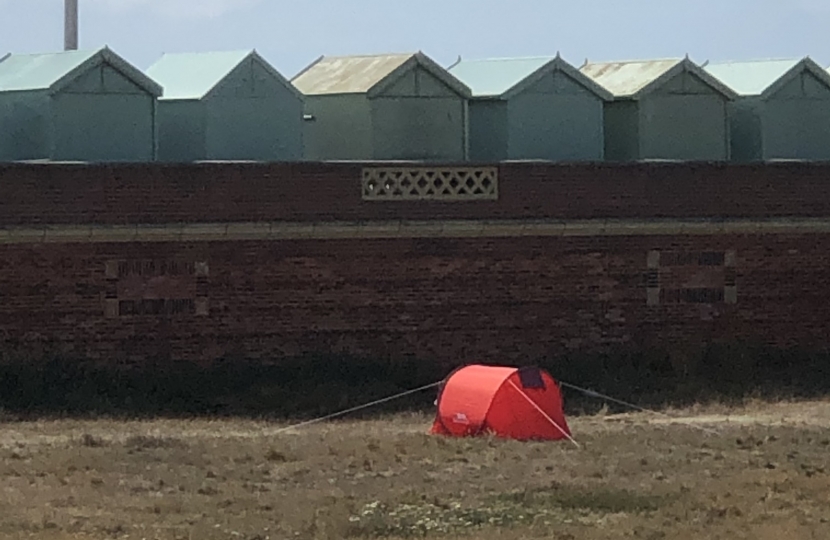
(312, 386)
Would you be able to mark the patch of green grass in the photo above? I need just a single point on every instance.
(540, 507)
(430, 519)
(600, 500)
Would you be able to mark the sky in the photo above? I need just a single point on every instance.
(293, 33)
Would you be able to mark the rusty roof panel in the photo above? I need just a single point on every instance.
(625, 79)
(347, 74)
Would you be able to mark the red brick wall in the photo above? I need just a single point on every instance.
(456, 300)
(36, 194)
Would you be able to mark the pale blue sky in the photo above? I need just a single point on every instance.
(292, 33)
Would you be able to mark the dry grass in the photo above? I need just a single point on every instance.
(759, 472)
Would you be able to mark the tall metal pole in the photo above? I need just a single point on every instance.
(70, 28)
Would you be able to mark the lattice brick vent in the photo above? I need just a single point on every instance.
(421, 183)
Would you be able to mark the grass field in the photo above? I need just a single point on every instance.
(758, 471)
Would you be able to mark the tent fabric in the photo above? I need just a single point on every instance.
(478, 399)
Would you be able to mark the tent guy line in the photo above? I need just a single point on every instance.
(359, 407)
(547, 417)
(597, 395)
(587, 392)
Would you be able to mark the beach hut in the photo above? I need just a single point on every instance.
(76, 106)
(533, 108)
(228, 105)
(783, 109)
(663, 110)
(383, 107)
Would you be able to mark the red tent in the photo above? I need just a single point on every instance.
(515, 403)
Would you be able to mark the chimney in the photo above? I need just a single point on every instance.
(70, 29)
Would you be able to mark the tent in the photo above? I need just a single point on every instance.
(515, 403)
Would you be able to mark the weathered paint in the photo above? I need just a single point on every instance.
(334, 75)
(418, 117)
(338, 127)
(418, 128)
(625, 79)
(415, 116)
(347, 74)
(417, 82)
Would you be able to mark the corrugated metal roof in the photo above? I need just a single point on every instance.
(347, 74)
(20, 72)
(194, 75)
(750, 78)
(627, 78)
(495, 76)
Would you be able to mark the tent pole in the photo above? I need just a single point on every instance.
(549, 419)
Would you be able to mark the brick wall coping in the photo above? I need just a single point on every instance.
(206, 232)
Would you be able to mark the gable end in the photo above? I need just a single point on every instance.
(805, 80)
(105, 57)
(428, 76)
(689, 76)
(250, 78)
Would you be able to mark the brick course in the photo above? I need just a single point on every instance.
(454, 300)
(155, 193)
(451, 299)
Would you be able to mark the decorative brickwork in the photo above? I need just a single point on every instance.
(691, 277)
(130, 195)
(500, 299)
(432, 184)
(156, 288)
(286, 259)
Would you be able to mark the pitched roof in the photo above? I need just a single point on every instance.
(194, 75)
(752, 77)
(501, 77)
(365, 74)
(633, 79)
(52, 71)
(495, 76)
(764, 77)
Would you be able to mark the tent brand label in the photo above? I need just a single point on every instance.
(461, 418)
(156, 288)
